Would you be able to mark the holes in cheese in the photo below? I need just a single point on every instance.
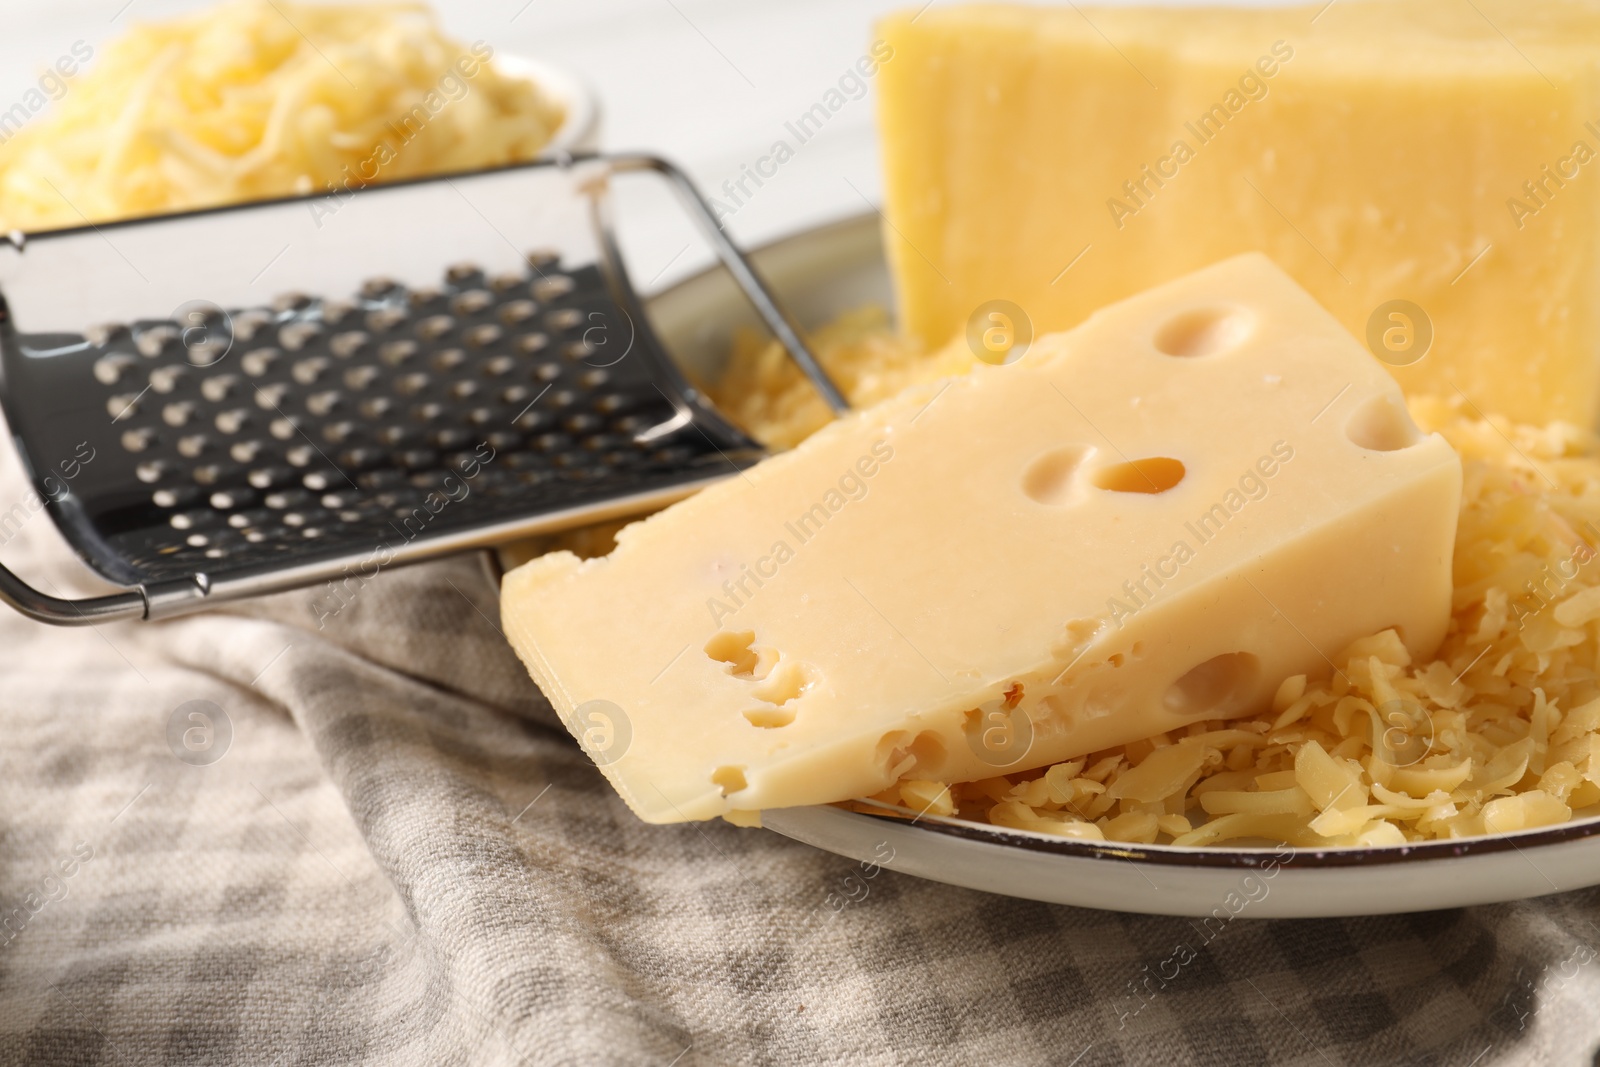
(1203, 332)
(1221, 686)
(783, 683)
(769, 718)
(729, 780)
(942, 625)
(1050, 478)
(737, 650)
(1382, 424)
(905, 756)
(777, 681)
(893, 754)
(1154, 475)
(927, 749)
(786, 682)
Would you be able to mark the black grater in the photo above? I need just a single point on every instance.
(229, 402)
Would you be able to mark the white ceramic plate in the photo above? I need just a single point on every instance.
(825, 271)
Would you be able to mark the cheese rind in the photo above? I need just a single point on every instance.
(1145, 522)
(1434, 151)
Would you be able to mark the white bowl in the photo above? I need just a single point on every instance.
(580, 132)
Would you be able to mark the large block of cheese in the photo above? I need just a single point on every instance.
(1435, 151)
(1147, 521)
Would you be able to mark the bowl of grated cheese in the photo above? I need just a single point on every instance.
(252, 100)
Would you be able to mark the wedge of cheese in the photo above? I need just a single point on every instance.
(1150, 520)
(1438, 152)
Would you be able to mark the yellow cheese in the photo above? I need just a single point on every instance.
(1148, 521)
(1438, 152)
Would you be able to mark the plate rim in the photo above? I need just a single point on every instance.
(1204, 856)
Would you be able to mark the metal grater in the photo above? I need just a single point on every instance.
(230, 402)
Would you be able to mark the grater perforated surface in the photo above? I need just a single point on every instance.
(315, 428)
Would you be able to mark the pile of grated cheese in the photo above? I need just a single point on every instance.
(263, 98)
(765, 392)
(1499, 731)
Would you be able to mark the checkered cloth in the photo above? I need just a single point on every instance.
(402, 858)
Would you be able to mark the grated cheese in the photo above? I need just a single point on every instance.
(263, 98)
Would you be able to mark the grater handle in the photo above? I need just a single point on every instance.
(89, 611)
(756, 290)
